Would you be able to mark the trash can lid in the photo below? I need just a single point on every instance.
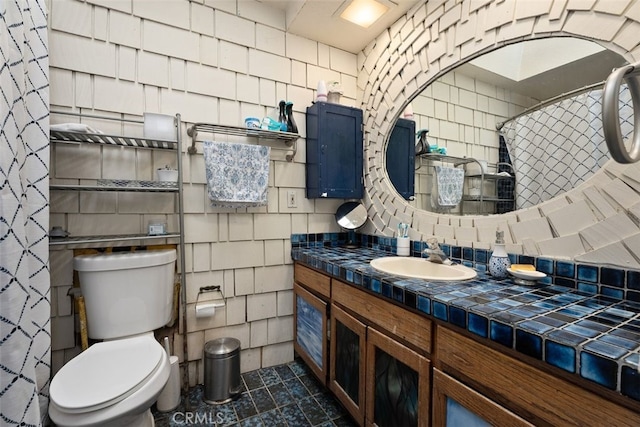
(221, 347)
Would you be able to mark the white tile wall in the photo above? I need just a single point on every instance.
(277, 354)
(153, 69)
(565, 247)
(285, 303)
(124, 29)
(234, 29)
(98, 58)
(261, 306)
(259, 333)
(274, 253)
(572, 218)
(72, 16)
(202, 19)
(280, 329)
(272, 279)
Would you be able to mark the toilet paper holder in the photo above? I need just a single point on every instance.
(208, 308)
(214, 288)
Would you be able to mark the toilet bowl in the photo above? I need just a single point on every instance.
(113, 383)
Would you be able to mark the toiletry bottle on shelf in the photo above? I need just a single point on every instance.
(321, 94)
(282, 117)
(499, 261)
(291, 123)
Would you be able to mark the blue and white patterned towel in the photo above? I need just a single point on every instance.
(448, 185)
(237, 174)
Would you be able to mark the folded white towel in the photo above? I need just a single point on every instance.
(237, 174)
(73, 127)
(447, 186)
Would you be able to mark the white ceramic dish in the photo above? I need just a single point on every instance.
(526, 277)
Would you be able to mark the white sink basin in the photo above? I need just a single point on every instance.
(422, 269)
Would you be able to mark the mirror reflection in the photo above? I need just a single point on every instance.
(350, 216)
(507, 130)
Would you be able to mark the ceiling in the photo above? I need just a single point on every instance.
(320, 20)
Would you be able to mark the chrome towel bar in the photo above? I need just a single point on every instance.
(288, 139)
(611, 115)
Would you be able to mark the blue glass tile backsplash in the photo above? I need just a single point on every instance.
(617, 283)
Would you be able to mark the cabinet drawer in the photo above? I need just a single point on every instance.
(313, 280)
(408, 326)
(547, 398)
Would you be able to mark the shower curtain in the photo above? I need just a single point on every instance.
(558, 147)
(25, 341)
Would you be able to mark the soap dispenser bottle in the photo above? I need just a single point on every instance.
(282, 117)
(499, 261)
(291, 123)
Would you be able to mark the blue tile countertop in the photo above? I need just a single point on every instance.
(594, 336)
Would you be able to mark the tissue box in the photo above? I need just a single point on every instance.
(159, 126)
(167, 175)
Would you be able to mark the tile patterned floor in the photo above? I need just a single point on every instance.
(286, 395)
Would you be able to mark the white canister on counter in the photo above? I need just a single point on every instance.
(403, 246)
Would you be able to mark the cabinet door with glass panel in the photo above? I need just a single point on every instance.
(397, 383)
(310, 331)
(455, 404)
(347, 361)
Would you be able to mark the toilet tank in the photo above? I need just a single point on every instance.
(126, 293)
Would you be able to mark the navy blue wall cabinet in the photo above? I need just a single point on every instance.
(401, 157)
(334, 151)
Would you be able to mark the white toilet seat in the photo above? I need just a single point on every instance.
(109, 379)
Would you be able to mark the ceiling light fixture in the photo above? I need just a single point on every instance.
(364, 12)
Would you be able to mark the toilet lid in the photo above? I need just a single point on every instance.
(105, 373)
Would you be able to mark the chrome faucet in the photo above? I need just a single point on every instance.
(434, 253)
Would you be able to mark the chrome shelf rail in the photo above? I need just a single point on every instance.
(113, 140)
(120, 185)
(83, 240)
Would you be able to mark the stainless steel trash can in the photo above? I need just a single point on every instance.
(222, 381)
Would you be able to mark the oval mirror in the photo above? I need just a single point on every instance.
(502, 118)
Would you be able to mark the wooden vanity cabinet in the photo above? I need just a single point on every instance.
(389, 383)
(379, 358)
(539, 396)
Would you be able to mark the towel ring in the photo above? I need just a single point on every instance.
(611, 115)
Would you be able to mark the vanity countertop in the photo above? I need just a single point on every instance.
(594, 336)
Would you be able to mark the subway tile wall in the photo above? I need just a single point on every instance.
(214, 62)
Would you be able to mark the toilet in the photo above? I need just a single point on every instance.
(116, 381)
